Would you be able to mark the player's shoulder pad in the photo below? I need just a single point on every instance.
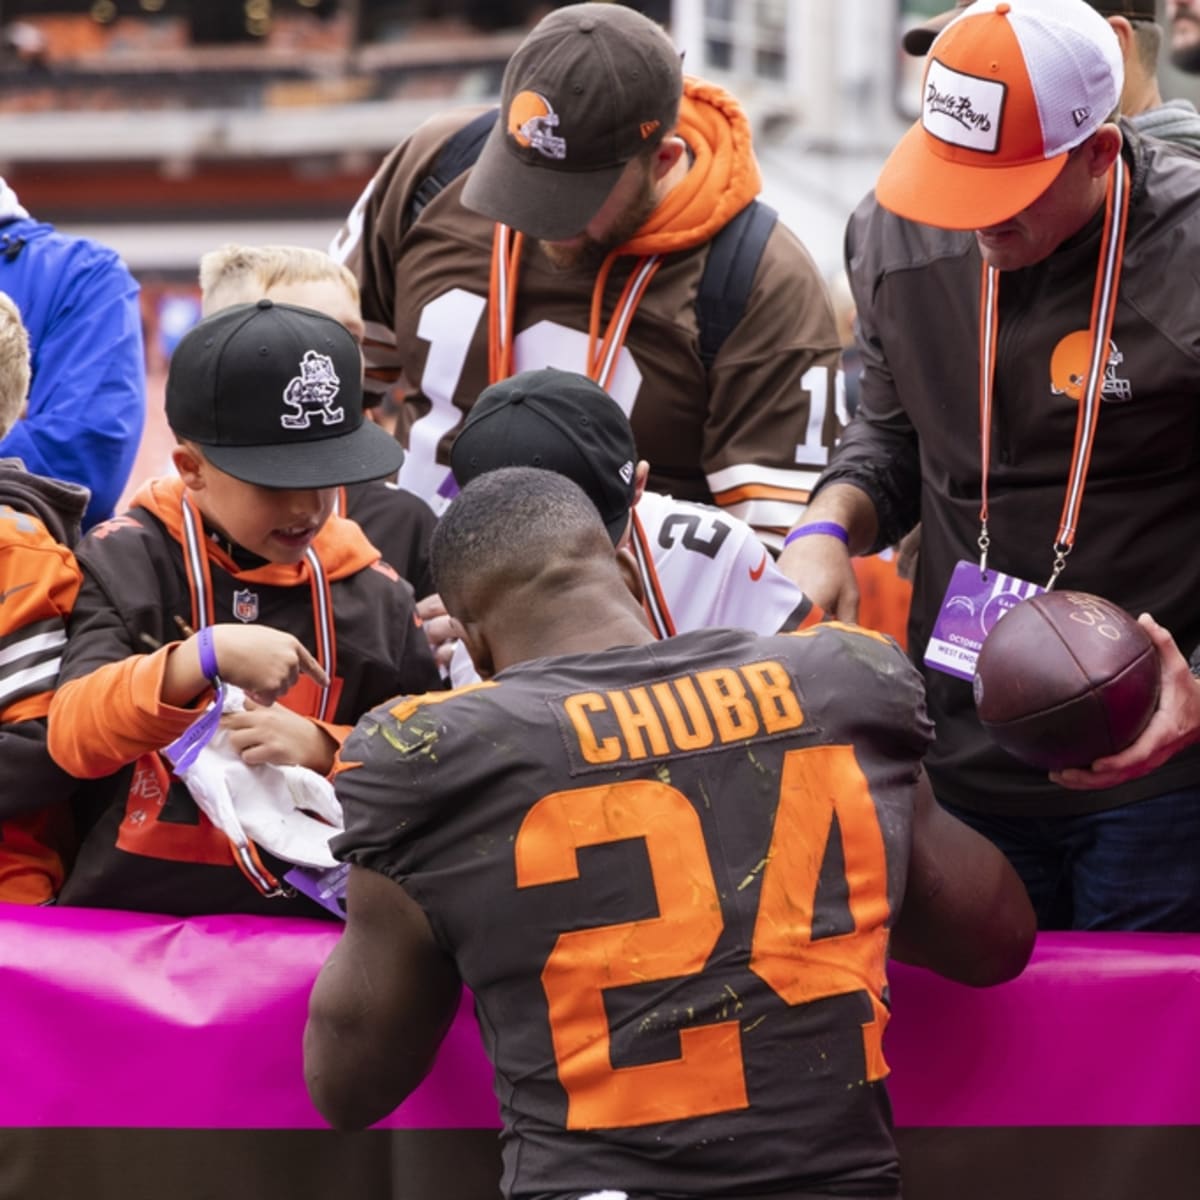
(866, 645)
(409, 725)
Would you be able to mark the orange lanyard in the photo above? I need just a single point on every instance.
(1104, 304)
(603, 352)
(199, 576)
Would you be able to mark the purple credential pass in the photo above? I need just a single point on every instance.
(974, 602)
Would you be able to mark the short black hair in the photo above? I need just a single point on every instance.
(510, 525)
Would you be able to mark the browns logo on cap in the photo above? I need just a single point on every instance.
(531, 123)
(590, 88)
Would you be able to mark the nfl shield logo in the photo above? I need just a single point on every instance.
(245, 606)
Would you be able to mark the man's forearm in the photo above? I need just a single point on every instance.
(848, 506)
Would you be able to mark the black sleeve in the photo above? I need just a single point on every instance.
(878, 450)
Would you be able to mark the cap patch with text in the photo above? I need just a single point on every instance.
(1011, 87)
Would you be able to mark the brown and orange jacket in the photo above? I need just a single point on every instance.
(149, 847)
(748, 434)
(39, 580)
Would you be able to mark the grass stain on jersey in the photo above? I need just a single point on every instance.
(416, 736)
(754, 873)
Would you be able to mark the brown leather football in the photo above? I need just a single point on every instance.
(1065, 678)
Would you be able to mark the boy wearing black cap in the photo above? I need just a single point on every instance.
(700, 567)
(235, 569)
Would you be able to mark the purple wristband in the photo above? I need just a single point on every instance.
(829, 528)
(208, 655)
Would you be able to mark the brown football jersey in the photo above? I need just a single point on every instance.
(667, 873)
(751, 434)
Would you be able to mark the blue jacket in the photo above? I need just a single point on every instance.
(87, 400)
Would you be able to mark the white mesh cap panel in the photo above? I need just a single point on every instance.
(1074, 64)
(1075, 67)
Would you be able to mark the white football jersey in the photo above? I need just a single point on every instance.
(701, 568)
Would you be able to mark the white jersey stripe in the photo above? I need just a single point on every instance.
(750, 474)
(35, 678)
(39, 643)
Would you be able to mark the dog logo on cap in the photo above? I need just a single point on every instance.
(1069, 369)
(311, 392)
(531, 122)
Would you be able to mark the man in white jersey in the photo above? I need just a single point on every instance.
(699, 566)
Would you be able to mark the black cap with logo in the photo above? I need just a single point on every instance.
(590, 87)
(558, 421)
(272, 393)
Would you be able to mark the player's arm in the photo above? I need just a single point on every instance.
(380, 1007)
(965, 914)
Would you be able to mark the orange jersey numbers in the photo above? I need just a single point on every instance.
(816, 784)
(708, 1076)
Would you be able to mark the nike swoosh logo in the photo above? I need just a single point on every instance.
(756, 572)
(13, 590)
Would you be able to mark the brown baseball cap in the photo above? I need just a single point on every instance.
(918, 39)
(588, 89)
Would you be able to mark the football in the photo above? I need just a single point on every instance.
(1065, 678)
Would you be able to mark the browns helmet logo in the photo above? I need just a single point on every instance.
(1069, 369)
(531, 123)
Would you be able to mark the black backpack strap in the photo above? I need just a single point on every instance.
(733, 258)
(458, 152)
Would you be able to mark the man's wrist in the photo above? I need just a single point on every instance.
(821, 529)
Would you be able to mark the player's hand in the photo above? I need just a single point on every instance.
(820, 565)
(1174, 725)
(441, 629)
(274, 734)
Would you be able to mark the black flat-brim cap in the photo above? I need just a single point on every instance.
(556, 421)
(272, 393)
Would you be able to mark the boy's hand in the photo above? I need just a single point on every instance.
(265, 663)
(275, 734)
